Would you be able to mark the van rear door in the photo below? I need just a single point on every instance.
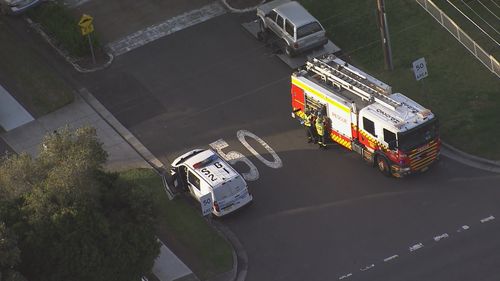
(231, 193)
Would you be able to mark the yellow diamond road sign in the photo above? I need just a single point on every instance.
(86, 25)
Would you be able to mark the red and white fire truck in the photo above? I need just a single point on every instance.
(387, 129)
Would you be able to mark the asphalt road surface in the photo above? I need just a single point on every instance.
(322, 215)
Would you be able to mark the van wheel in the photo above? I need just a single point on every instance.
(383, 166)
(289, 51)
(262, 33)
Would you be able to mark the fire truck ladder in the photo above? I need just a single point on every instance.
(351, 80)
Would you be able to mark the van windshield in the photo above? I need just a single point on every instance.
(308, 29)
(229, 189)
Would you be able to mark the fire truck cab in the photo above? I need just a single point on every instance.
(388, 129)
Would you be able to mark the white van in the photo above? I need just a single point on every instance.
(202, 171)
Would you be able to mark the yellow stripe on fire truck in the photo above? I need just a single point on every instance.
(373, 141)
(318, 94)
(341, 140)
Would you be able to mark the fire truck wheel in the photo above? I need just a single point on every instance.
(383, 165)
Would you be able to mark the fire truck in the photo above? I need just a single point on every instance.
(388, 130)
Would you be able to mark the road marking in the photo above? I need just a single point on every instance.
(367, 267)
(234, 157)
(275, 164)
(490, 218)
(416, 247)
(75, 3)
(391, 258)
(154, 32)
(420, 245)
(345, 276)
(442, 236)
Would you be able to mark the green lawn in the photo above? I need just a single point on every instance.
(460, 90)
(28, 77)
(58, 22)
(207, 253)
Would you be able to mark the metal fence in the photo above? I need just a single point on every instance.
(488, 60)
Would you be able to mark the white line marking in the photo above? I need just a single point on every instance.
(149, 34)
(367, 267)
(391, 258)
(275, 164)
(490, 218)
(74, 4)
(464, 227)
(234, 157)
(345, 276)
(442, 236)
(416, 247)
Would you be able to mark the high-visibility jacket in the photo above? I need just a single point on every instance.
(320, 128)
(307, 120)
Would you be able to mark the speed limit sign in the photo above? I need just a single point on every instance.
(206, 204)
(420, 69)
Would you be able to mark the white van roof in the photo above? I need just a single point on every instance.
(211, 164)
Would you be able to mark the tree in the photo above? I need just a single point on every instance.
(9, 255)
(77, 221)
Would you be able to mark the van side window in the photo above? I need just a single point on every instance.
(272, 15)
(194, 180)
(280, 21)
(389, 136)
(369, 126)
(289, 28)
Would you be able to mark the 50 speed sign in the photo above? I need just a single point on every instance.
(420, 69)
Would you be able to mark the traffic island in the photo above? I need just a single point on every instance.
(74, 39)
(242, 6)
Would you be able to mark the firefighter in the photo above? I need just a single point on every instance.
(320, 125)
(308, 121)
(308, 125)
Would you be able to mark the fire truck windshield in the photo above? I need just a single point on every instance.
(418, 136)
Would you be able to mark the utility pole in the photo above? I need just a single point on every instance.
(384, 33)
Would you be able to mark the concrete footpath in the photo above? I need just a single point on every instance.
(122, 146)
(12, 113)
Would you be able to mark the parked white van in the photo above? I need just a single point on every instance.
(202, 171)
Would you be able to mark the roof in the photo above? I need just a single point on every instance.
(297, 14)
(407, 116)
(215, 171)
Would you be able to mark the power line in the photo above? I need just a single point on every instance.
(482, 30)
(488, 9)
(474, 11)
(495, 3)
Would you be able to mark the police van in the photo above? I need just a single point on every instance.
(202, 171)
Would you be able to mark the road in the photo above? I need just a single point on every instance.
(324, 214)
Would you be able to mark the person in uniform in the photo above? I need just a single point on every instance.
(308, 125)
(320, 125)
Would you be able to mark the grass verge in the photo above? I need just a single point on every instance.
(58, 23)
(25, 74)
(197, 244)
(459, 89)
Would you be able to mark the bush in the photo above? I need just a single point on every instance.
(58, 23)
